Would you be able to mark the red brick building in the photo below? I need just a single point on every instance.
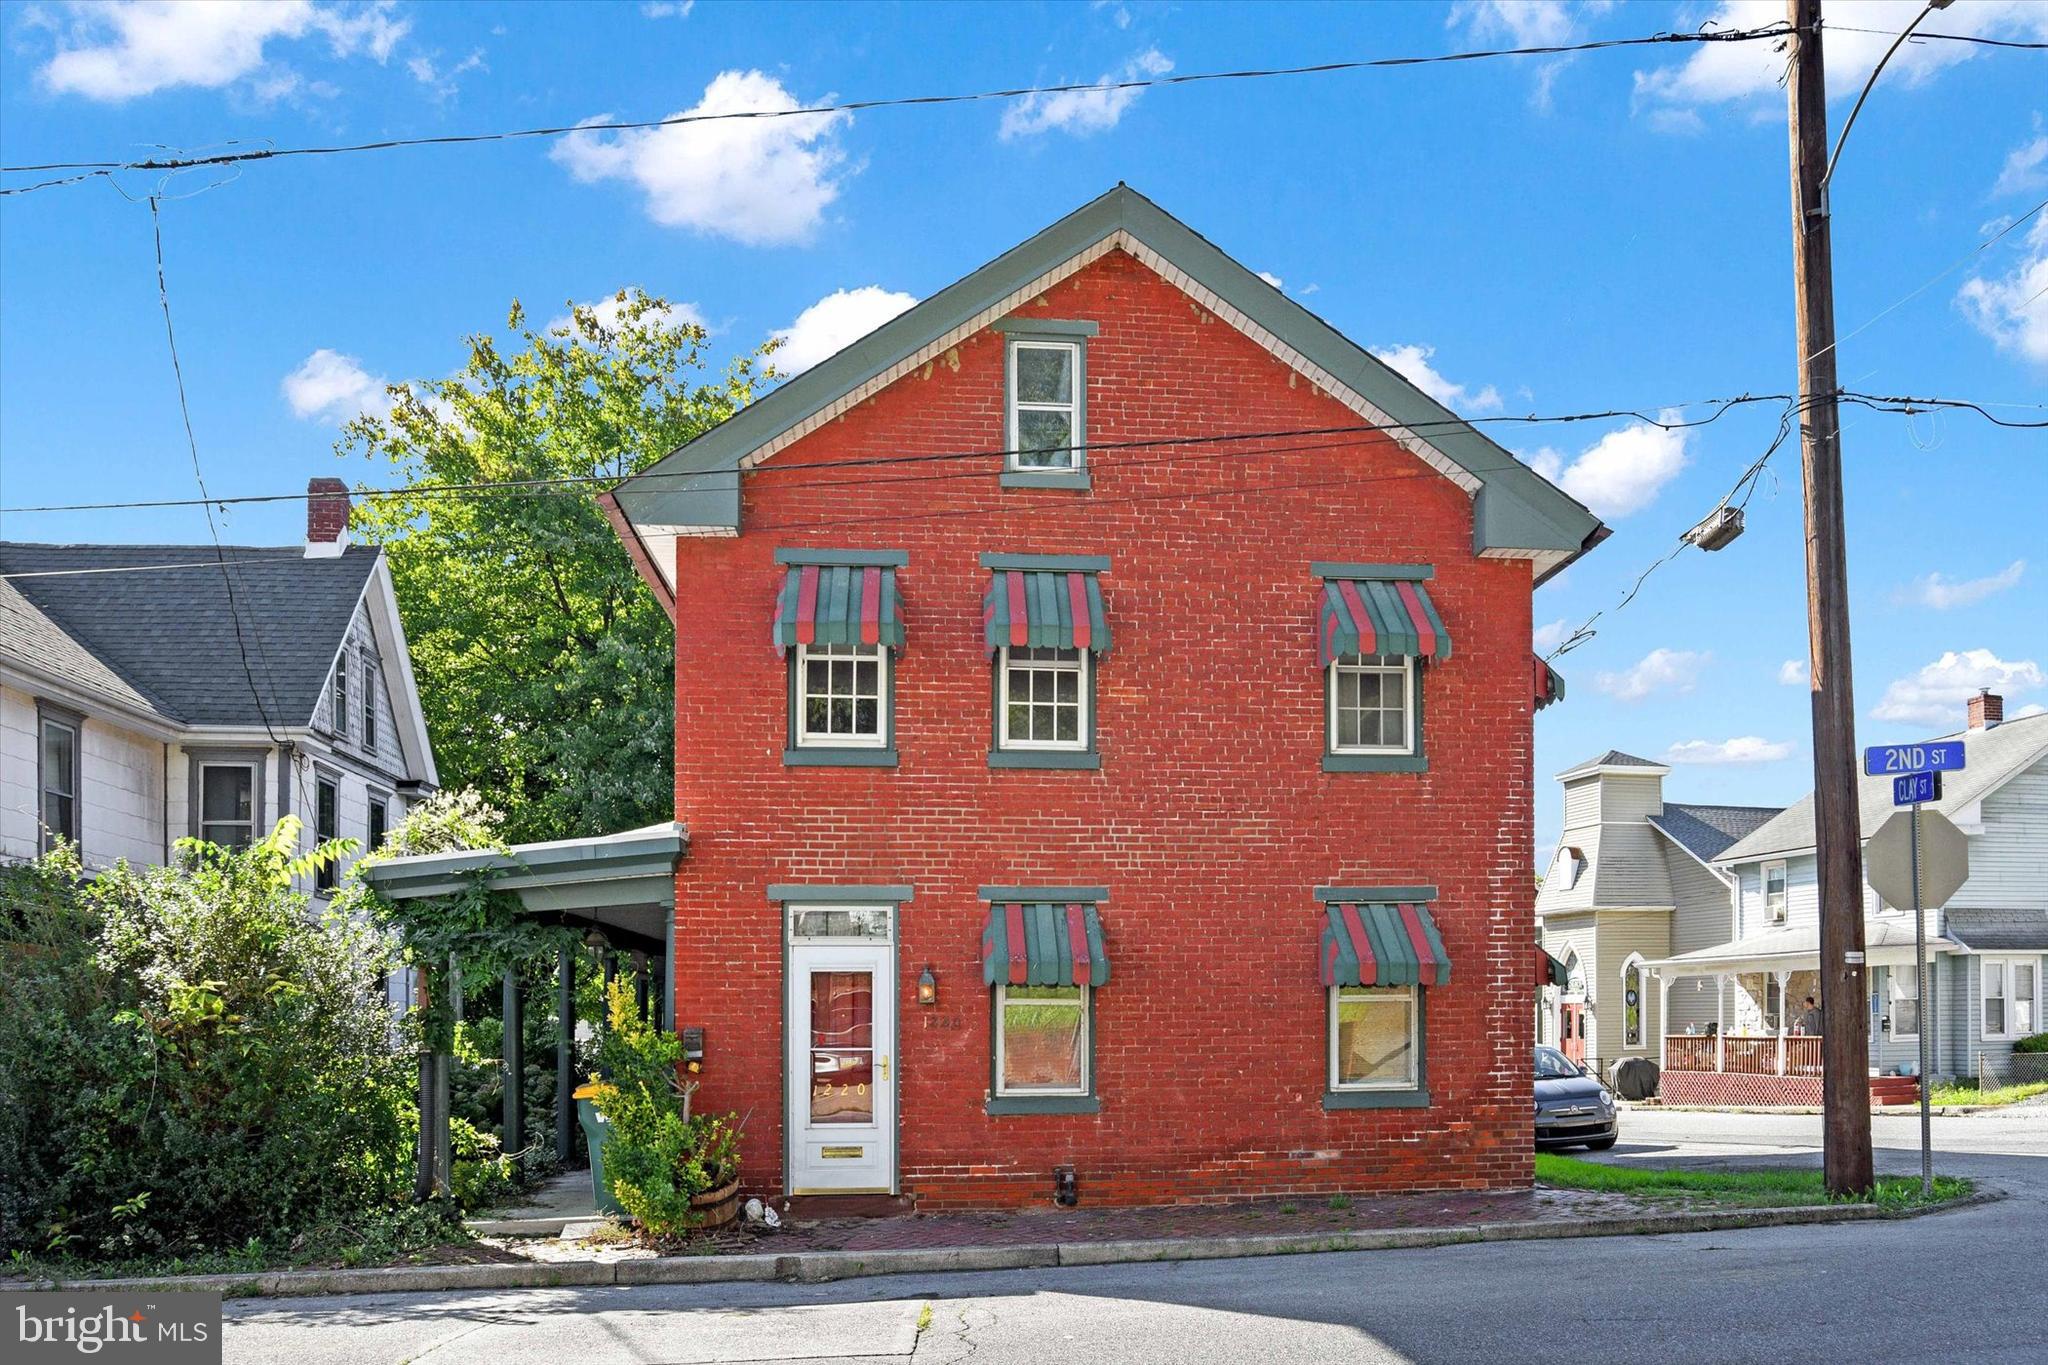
(1103, 704)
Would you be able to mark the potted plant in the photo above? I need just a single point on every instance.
(668, 1169)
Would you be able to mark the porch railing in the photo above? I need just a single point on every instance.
(1745, 1054)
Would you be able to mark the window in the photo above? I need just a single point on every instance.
(379, 824)
(1774, 892)
(1045, 386)
(1632, 1005)
(369, 702)
(1372, 703)
(2010, 996)
(338, 699)
(1375, 1039)
(57, 775)
(1044, 698)
(1041, 1042)
(842, 696)
(227, 804)
(1905, 990)
(326, 825)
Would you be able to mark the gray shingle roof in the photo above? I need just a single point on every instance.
(163, 625)
(1990, 757)
(40, 645)
(1999, 930)
(1708, 831)
(1613, 758)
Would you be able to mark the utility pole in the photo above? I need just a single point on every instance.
(1844, 993)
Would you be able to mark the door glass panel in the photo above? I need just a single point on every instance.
(842, 1047)
(838, 923)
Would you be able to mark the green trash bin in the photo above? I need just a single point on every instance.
(595, 1130)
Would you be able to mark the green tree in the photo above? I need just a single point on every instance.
(545, 667)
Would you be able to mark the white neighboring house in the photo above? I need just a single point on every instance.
(129, 718)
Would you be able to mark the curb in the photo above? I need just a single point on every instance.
(1939, 1110)
(814, 1267)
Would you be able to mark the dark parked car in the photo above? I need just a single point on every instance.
(1572, 1108)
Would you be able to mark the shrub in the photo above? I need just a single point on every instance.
(657, 1155)
(2033, 1042)
(189, 1061)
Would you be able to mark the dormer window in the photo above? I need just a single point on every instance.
(1045, 410)
(1571, 865)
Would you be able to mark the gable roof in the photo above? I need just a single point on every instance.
(695, 489)
(1990, 759)
(160, 623)
(1613, 758)
(32, 642)
(1707, 832)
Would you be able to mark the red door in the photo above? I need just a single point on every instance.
(1571, 1031)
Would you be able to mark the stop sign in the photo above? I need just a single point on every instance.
(1944, 859)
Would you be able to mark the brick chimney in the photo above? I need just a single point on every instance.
(1987, 710)
(327, 518)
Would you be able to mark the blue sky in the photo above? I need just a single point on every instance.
(1525, 236)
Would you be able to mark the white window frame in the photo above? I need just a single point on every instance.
(369, 701)
(1006, 741)
(1086, 1087)
(328, 877)
(255, 816)
(1070, 459)
(1407, 671)
(1784, 892)
(1414, 1077)
(73, 776)
(337, 696)
(1891, 988)
(800, 721)
(2006, 964)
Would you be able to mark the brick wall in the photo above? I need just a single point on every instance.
(1210, 820)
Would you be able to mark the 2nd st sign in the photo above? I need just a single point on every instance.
(1894, 760)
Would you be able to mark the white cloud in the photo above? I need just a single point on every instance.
(608, 309)
(2032, 708)
(2026, 169)
(2012, 309)
(1934, 696)
(1623, 471)
(761, 181)
(1742, 749)
(1528, 23)
(1748, 76)
(1792, 673)
(441, 82)
(1943, 593)
(1661, 670)
(1270, 278)
(332, 387)
(120, 52)
(1414, 364)
(833, 322)
(1082, 112)
(668, 9)
(1549, 635)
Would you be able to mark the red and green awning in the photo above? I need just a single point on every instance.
(1041, 609)
(1549, 684)
(839, 604)
(1383, 945)
(1380, 616)
(1549, 971)
(1043, 945)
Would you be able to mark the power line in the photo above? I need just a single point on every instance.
(159, 165)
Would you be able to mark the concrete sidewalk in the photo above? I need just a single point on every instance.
(843, 1248)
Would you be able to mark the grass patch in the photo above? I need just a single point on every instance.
(1966, 1092)
(1775, 1187)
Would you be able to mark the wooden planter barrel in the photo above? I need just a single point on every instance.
(716, 1208)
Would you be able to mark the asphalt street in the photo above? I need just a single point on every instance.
(1969, 1285)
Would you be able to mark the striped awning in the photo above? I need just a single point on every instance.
(1043, 945)
(1383, 945)
(1549, 971)
(1057, 610)
(1380, 616)
(836, 604)
(1549, 684)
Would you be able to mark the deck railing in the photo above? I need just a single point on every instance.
(1745, 1054)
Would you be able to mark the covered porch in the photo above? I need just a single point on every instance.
(618, 890)
(1759, 1048)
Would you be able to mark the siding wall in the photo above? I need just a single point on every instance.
(18, 822)
(121, 796)
(1631, 798)
(1647, 933)
(1581, 803)
(1705, 916)
(2009, 860)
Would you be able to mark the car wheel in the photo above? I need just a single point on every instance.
(1602, 1144)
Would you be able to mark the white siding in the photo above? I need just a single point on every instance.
(18, 821)
(1581, 804)
(1704, 918)
(121, 791)
(2009, 860)
(1631, 798)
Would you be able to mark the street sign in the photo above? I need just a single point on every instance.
(1889, 760)
(1944, 859)
(1914, 788)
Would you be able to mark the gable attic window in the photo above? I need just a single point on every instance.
(369, 700)
(337, 709)
(1045, 408)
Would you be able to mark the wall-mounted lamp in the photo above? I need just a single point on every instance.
(927, 987)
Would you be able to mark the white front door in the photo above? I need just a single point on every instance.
(841, 1058)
